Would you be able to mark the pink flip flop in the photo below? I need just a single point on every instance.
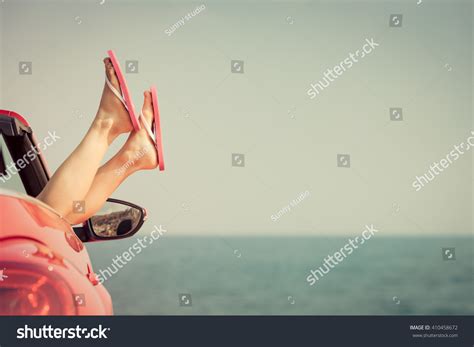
(158, 138)
(124, 97)
(154, 130)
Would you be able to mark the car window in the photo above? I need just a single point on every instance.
(9, 178)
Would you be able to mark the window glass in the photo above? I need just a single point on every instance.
(9, 178)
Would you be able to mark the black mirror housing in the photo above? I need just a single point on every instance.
(117, 219)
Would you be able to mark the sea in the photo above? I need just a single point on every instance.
(266, 275)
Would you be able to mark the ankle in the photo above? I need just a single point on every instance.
(104, 124)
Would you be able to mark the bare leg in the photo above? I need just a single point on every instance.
(74, 177)
(138, 153)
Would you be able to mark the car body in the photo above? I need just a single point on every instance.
(45, 268)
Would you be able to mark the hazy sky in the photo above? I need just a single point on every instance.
(290, 141)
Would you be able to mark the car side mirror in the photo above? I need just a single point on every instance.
(117, 219)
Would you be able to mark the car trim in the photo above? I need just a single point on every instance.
(15, 115)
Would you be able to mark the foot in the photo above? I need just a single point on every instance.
(140, 149)
(112, 114)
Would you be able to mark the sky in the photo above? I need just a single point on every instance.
(232, 83)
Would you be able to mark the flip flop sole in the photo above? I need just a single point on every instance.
(125, 90)
(156, 114)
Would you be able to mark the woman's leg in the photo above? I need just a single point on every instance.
(73, 179)
(138, 153)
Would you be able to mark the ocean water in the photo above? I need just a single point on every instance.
(267, 275)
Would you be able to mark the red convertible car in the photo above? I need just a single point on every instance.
(44, 267)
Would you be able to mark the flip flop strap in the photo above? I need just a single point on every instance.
(116, 92)
(147, 127)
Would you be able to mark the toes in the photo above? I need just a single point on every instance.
(148, 107)
(110, 72)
